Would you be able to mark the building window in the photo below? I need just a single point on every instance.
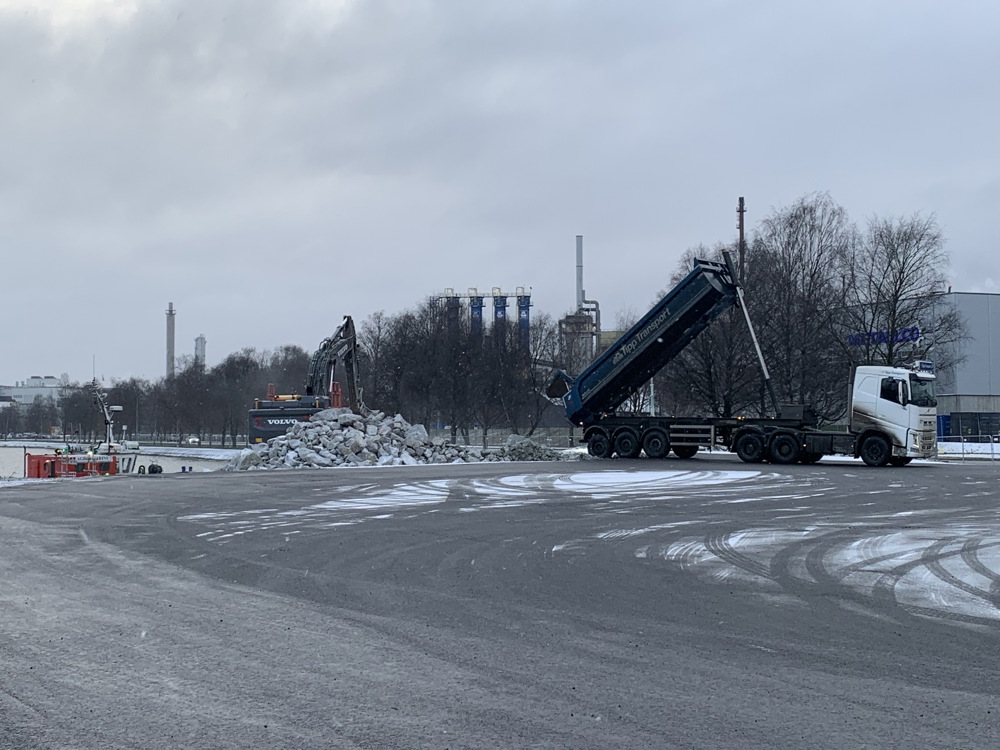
(972, 424)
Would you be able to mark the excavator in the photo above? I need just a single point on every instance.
(271, 417)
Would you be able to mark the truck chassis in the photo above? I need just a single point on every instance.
(775, 440)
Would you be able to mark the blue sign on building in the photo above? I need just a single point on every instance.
(902, 336)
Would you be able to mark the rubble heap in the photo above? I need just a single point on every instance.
(339, 437)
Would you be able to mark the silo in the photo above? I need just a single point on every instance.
(199, 350)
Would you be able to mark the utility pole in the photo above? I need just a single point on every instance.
(740, 210)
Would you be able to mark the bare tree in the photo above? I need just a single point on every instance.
(78, 414)
(287, 368)
(374, 364)
(454, 389)
(10, 419)
(488, 379)
(193, 399)
(892, 286)
(42, 415)
(544, 341)
(234, 383)
(421, 348)
(795, 287)
(129, 394)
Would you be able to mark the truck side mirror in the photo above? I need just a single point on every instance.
(902, 392)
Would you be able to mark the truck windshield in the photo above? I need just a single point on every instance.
(922, 392)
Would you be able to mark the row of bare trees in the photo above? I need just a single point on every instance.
(432, 368)
(823, 295)
(431, 365)
(197, 401)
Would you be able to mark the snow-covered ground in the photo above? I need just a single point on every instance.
(948, 449)
(185, 451)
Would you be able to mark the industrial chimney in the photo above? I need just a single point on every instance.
(171, 313)
(199, 350)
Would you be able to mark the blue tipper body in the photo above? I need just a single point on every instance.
(642, 351)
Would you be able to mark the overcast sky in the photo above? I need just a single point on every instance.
(269, 167)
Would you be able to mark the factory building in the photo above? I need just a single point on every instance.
(969, 392)
(23, 392)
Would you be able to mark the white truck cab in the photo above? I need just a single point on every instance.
(899, 404)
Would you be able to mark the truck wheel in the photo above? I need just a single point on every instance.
(599, 446)
(655, 443)
(685, 451)
(785, 449)
(875, 451)
(750, 447)
(627, 444)
(810, 458)
(899, 461)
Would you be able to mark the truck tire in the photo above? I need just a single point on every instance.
(655, 443)
(875, 450)
(899, 461)
(785, 449)
(750, 447)
(627, 444)
(685, 451)
(599, 446)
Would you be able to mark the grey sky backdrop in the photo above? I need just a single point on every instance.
(271, 166)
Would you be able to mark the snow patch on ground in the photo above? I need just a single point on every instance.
(947, 572)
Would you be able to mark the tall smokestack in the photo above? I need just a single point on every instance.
(199, 350)
(579, 272)
(171, 313)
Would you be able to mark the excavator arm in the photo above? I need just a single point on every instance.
(341, 346)
(270, 418)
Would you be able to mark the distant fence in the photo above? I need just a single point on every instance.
(974, 447)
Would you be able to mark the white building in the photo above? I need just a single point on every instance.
(25, 391)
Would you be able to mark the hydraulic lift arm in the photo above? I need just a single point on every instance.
(341, 346)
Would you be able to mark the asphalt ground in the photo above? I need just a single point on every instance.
(591, 604)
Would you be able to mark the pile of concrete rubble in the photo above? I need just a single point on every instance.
(338, 437)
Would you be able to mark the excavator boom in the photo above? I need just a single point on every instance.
(342, 347)
(272, 417)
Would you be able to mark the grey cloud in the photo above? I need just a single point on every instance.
(230, 161)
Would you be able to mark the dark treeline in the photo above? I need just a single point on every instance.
(824, 296)
(422, 364)
(197, 401)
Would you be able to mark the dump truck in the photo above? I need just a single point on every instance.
(893, 415)
(271, 417)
